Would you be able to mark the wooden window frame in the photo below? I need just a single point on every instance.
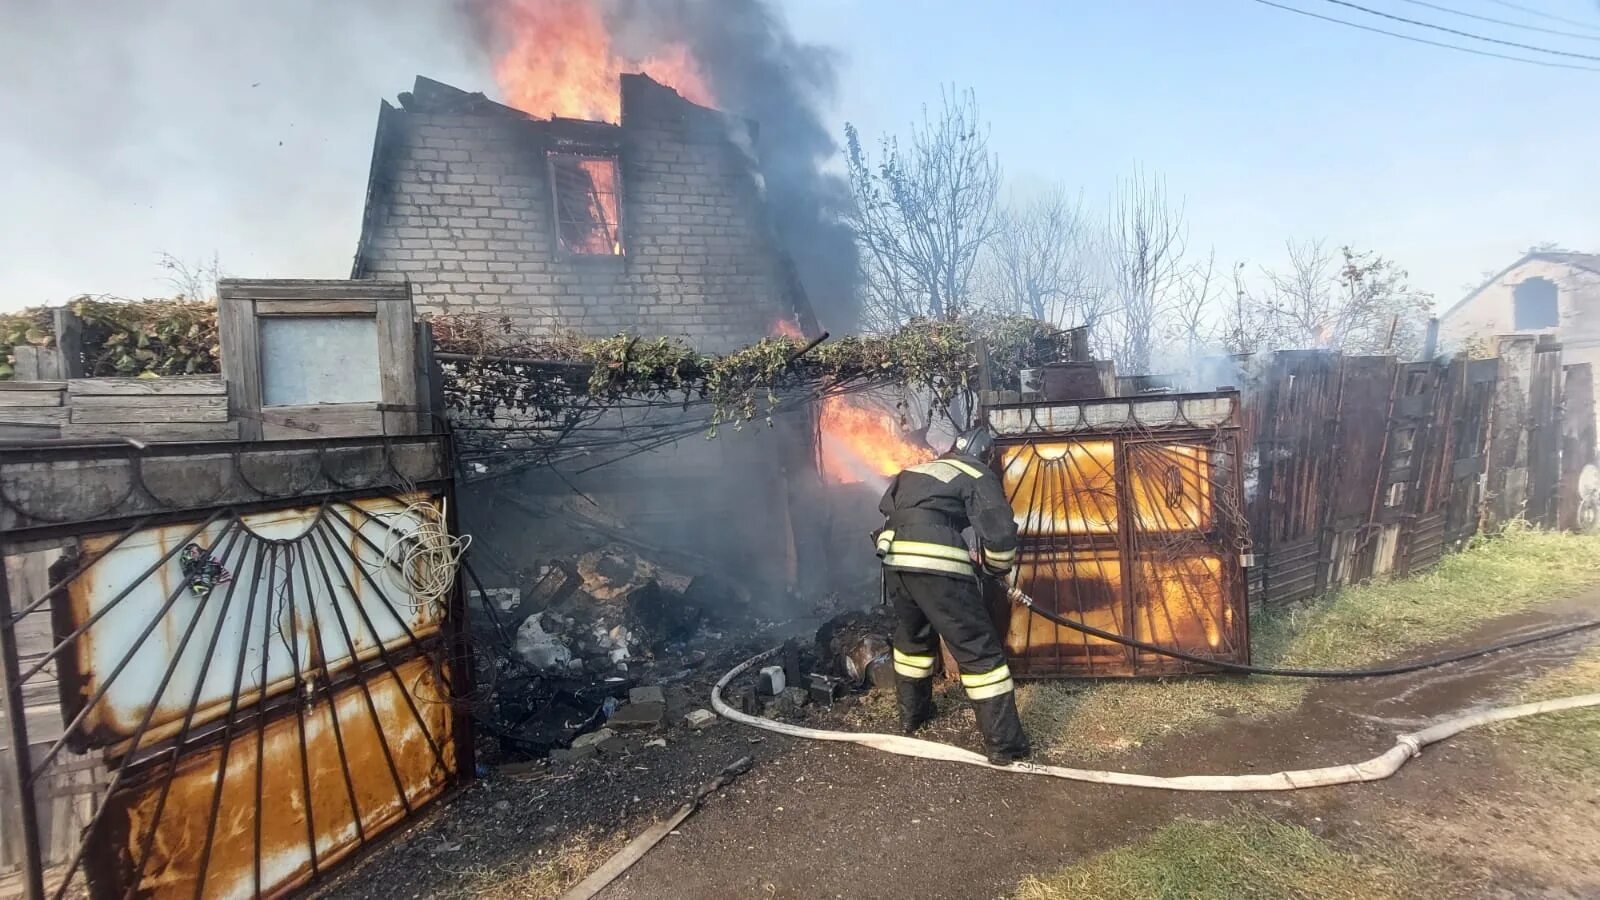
(582, 152)
(241, 306)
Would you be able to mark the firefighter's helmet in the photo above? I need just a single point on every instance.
(975, 442)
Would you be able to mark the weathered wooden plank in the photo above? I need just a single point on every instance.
(308, 289)
(397, 372)
(33, 415)
(10, 432)
(36, 363)
(187, 385)
(18, 385)
(316, 307)
(103, 415)
(153, 401)
(161, 431)
(430, 382)
(69, 341)
(241, 361)
(30, 398)
(338, 420)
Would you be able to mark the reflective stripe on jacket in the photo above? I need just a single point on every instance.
(926, 508)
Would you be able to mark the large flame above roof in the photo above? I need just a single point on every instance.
(557, 58)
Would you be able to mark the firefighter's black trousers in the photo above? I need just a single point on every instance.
(929, 606)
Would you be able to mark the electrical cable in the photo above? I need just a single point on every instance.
(1544, 15)
(423, 551)
(1018, 596)
(1547, 63)
(1506, 22)
(1458, 33)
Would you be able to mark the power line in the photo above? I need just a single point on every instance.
(1547, 63)
(1465, 34)
(1544, 15)
(1506, 22)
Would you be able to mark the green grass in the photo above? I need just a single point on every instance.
(1564, 745)
(1243, 857)
(1358, 626)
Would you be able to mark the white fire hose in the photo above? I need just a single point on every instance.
(1407, 746)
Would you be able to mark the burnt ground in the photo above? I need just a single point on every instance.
(825, 820)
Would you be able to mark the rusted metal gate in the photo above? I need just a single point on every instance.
(1131, 521)
(251, 677)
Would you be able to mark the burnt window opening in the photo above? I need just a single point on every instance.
(1533, 305)
(588, 203)
(1395, 496)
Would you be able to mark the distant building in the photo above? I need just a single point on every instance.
(1554, 293)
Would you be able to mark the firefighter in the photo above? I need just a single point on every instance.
(931, 579)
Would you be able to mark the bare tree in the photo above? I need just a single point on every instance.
(1146, 240)
(923, 213)
(1349, 300)
(1245, 327)
(193, 281)
(1191, 328)
(1042, 263)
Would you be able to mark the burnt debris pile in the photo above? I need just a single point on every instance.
(595, 654)
(569, 649)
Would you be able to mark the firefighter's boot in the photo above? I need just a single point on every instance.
(915, 699)
(1003, 736)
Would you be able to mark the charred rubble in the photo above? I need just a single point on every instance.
(613, 644)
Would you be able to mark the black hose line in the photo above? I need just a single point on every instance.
(1552, 634)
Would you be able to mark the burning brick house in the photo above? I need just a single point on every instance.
(655, 225)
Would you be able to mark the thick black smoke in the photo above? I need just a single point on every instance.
(756, 69)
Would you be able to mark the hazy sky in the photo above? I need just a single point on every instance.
(245, 129)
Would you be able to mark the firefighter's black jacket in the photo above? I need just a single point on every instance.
(926, 508)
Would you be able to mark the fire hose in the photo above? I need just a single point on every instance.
(1407, 746)
(1019, 597)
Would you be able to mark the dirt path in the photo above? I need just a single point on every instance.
(826, 821)
(817, 820)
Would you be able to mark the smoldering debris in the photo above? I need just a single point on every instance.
(612, 640)
(609, 639)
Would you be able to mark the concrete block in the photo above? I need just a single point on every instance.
(639, 716)
(651, 693)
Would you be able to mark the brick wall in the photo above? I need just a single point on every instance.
(460, 203)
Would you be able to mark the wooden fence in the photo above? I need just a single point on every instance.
(1366, 466)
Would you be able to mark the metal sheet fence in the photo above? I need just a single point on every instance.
(233, 698)
(1365, 466)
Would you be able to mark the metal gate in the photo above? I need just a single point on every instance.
(1131, 521)
(228, 660)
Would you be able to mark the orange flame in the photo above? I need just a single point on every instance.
(786, 328)
(558, 60)
(860, 443)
